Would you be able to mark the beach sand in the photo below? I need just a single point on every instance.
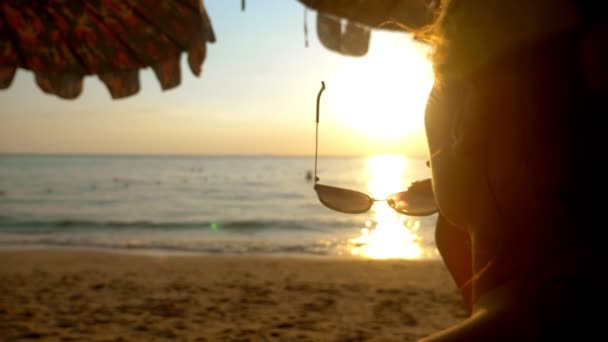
(96, 296)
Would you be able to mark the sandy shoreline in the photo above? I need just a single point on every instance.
(97, 296)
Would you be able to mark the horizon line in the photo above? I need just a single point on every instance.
(129, 154)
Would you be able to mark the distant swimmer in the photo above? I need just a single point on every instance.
(309, 175)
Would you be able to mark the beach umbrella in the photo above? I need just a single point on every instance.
(61, 41)
(344, 25)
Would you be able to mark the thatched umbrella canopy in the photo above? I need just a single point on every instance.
(61, 41)
(344, 25)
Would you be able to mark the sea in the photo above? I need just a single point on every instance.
(218, 205)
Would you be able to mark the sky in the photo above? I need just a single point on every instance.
(256, 96)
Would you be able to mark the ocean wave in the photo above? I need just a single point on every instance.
(322, 248)
(8, 224)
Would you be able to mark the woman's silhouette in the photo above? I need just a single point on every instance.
(513, 132)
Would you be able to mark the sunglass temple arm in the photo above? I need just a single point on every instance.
(317, 129)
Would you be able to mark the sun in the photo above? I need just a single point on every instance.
(384, 93)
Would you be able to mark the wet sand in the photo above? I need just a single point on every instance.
(96, 296)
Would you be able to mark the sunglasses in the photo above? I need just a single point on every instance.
(417, 200)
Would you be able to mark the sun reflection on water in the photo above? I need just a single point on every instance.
(389, 235)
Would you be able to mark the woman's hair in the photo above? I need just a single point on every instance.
(433, 36)
(467, 34)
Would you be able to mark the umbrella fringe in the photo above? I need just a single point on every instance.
(67, 86)
(121, 84)
(7, 74)
(111, 39)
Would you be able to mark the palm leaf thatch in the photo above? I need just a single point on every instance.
(61, 41)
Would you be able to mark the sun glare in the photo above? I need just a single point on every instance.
(391, 235)
(384, 93)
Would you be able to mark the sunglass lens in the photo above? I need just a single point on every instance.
(343, 200)
(418, 200)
